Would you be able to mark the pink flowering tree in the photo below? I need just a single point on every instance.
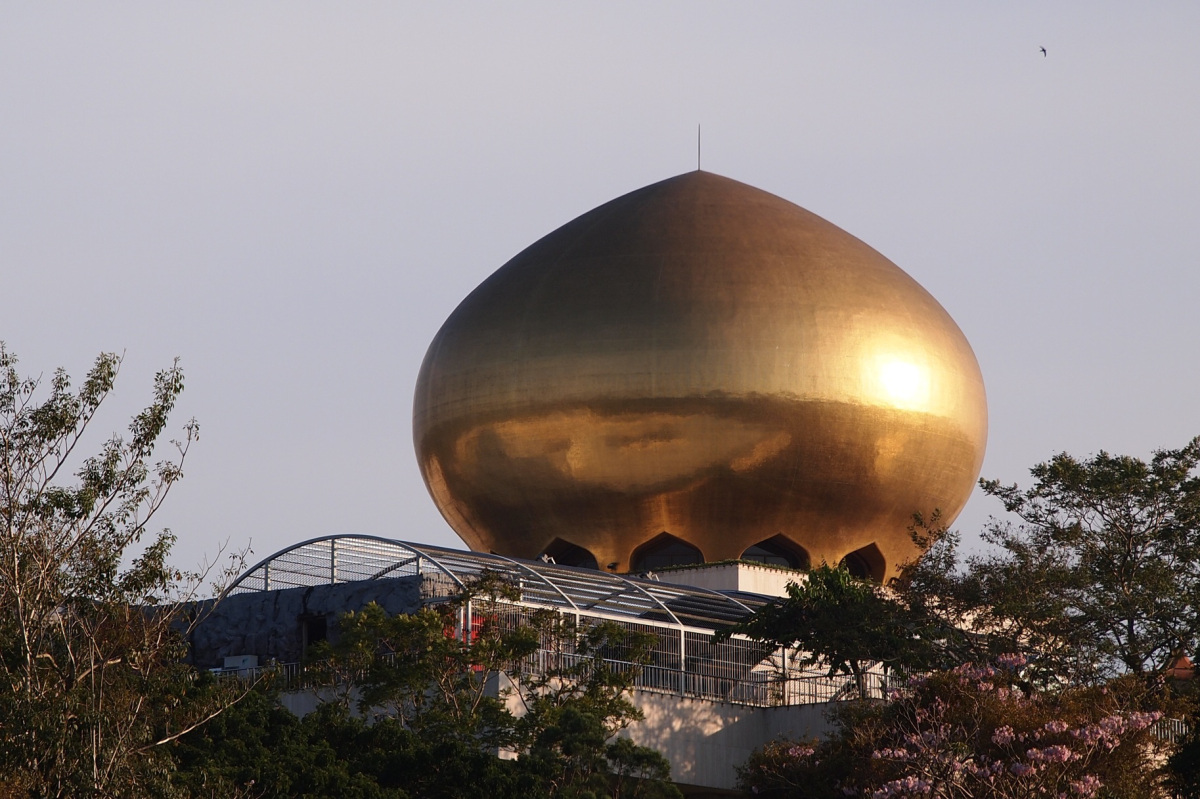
(970, 733)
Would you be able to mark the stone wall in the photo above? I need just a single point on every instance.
(271, 624)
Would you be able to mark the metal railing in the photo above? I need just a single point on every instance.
(1171, 730)
(763, 689)
(684, 663)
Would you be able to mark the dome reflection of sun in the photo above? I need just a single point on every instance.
(903, 384)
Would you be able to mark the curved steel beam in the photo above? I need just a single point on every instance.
(391, 542)
(541, 577)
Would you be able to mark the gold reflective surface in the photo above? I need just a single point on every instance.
(701, 358)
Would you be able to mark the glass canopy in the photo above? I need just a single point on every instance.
(349, 558)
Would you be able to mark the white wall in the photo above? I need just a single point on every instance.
(705, 741)
(752, 578)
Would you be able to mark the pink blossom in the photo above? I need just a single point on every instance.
(1087, 786)
(905, 786)
(1140, 721)
(1052, 754)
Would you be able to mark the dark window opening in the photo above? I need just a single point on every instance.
(857, 566)
(777, 551)
(866, 563)
(564, 553)
(313, 629)
(665, 550)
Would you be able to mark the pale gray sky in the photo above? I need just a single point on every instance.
(293, 196)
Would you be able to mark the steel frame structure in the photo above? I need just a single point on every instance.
(684, 660)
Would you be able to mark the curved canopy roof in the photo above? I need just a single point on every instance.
(351, 558)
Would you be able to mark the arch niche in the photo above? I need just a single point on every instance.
(778, 550)
(564, 553)
(662, 551)
(866, 563)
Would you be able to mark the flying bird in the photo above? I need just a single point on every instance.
(1043, 52)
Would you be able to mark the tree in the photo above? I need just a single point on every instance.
(1100, 576)
(416, 669)
(973, 733)
(846, 624)
(1092, 589)
(421, 706)
(91, 679)
(259, 748)
(1183, 766)
(574, 709)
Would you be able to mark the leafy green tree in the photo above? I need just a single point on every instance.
(848, 625)
(418, 705)
(91, 679)
(1098, 576)
(574, 709)
(1093, 586)
(1111, 544)
(416, 668)
(1183, 767)
(259, 748)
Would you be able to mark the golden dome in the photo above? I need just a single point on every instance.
(708, 361)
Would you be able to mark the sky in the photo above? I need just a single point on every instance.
(292, 197)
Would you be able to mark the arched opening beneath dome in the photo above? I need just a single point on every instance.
(564, 553)
(662, 551)
(778, 550)
(866, 563)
